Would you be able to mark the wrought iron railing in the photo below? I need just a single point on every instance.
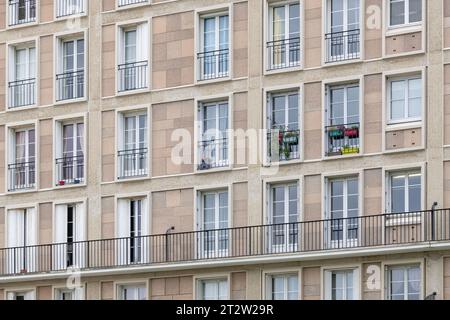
(66, 8)
(21, 176)
(343, 139)
(132, 76)
(214, 64)
(344, 45)
(69, 170)
(213, 153)
(22, 93)
(283, 53)
(283, 145)
(378, 231)
(70, 85)
(132, 163)
(21, 11)
(123, 3)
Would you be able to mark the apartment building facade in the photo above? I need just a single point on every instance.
(338, 190)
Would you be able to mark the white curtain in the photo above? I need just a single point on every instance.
(123, 231)
(80, 249)
(60, 238)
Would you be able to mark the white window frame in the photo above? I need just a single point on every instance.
(328, 274)
(407, 174)
(345, 241)
(201, 286)
(216, 251)
(406, 17)
(329, 88)
(406, 79)
(136, 287)
(201, 44)
(404, 268)
(285, 277)
(286, 5)
(27, 294)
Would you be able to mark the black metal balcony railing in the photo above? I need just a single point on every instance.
(283, 53)
(21, 176)
(343, 139)
(70, 170)
(21, 11)
(378, 231)
(214, 64)
(22, 93)
(123, 3)
(213, 154)
(132, 163)
(283, 145)
(70, 85)
(344, 45)
(132, 76)
(66, 8)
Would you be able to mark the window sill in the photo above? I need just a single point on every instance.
(131, 179)
(131, 92)
(404, 125)
(403, 29)
(131, 6)
(70, 101)
(33, 106)
(268, 72)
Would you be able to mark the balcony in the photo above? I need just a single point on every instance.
(123, 3)
(213, 64)
(132, 163)
(283, 53)
(342, 139)
(66, 8)
(213, 154)
(21, 176)
(382, 232)
(342, 46)
(22, 93)
(132, 76)
(283, 145)
(70, 85)
(21, 11)
(70, 170)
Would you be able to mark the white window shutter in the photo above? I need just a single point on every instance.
(145, 231)
(59, 139)
(123, 230)
(80, 235)
(121, 46)
(120, 131)
(12, 63)
(142, 42)
(60, 237)
(356, 284)
(328, 285)
(31, 227)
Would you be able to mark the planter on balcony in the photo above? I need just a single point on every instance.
(351, 132)
(61, 182)
(350, 150)
(336, 133)
(290, 139)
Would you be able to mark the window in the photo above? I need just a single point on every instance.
(70, 76)
(214, 289)
(214, 223)
(133, 146)
(133, 292)
(283, 287)
(21, 230)
(341, 285)
(69, 294)
(405, 192)
(343, 120)
(66, 8)
(284, 36)
(284, 217)
(123, 3)
(213, 57)
(22, 159)
(21, 295)
(69, 234)
(343, 30)
(283, 121)
(69, 148)
(404, 282)
(133, 57)
(405, 99)
(22, 76)
(405, 12)
(343, 212)
(213, 145)
(21, 11)
(133, 231)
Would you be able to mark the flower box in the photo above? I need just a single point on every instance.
(348, 150)
(290, 139)
(352, 132)
(336, 133)
(61, 182)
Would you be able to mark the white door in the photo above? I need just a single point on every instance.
(133, 157)
(343, 213)
(133, 243)
(70, 248)
(22, 76)
(214, 144)
(214, 226)
(71, 166)
(283, 218)
(22, 256)
(71, 81)
(22, 173)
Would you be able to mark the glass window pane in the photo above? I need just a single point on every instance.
(397, 10)
(415, 11)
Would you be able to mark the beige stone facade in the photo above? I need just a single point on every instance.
(173, 263)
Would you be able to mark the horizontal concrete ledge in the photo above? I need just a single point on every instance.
(229, 262)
